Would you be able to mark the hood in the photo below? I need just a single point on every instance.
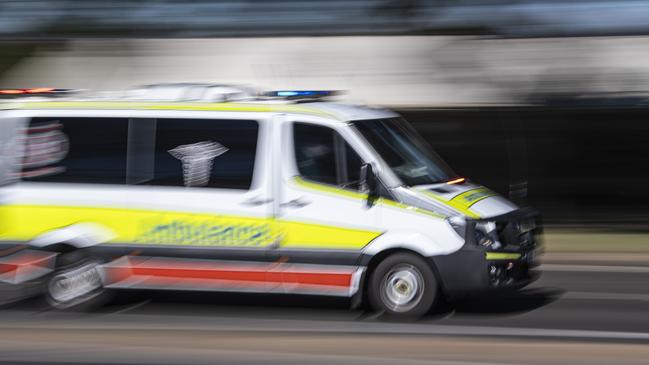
(472, 200)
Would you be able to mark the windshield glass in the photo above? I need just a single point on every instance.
(403, 149)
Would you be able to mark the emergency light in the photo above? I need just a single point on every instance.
(302, 94)
(35, 91)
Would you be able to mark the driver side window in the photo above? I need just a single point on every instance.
(323, 156)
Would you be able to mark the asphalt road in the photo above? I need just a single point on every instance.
(595, 314)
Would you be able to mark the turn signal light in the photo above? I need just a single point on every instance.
(459, 180)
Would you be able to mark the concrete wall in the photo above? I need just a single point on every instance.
(387, 70)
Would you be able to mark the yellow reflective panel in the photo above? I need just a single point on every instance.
(328, 189)
(464, 201)
(392, 203)
(141, 226)
(332, 190)
(306, 235)
(455, 205)
(502, 256)
(468, 198)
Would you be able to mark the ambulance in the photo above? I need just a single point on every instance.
(215, 188)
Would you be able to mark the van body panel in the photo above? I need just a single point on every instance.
(286, 232)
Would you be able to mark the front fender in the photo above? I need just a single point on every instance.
(424, 245)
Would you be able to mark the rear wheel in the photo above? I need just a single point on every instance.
(403, 285)
(76, 283)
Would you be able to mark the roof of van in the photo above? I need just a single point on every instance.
(337, 111)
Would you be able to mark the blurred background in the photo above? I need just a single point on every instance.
(543, 101)
(551, 95)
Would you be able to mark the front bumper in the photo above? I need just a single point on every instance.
(474, 270)
(469, 271)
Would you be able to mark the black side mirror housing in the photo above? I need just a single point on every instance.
(369, 184)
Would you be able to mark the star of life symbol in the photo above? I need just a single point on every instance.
(197, 161)
(40, 148)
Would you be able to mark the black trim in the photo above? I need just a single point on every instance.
(460, 272)
(6, 245)
(320, 257)
(521, 213)
(466, 272)
(113, 251)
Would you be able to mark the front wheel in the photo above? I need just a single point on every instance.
(76, 283)
(403, 285)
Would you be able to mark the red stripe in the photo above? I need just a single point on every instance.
(24, 259)
(310, 278)
(329, 279)
(207, 284)
(5, 268)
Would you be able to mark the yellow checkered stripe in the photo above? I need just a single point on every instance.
(464, 201)
(146, 227)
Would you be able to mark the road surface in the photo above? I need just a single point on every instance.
(575, 314)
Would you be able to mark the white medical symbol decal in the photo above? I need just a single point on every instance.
(197, 161)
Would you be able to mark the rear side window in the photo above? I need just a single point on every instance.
(74, 150)
(204, 153)
(323, 156)
(163, 152)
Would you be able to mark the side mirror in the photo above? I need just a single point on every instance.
(369, 184)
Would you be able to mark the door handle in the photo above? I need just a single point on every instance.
(296, 203)
(256, 201)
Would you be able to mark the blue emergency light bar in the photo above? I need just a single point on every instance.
(302, 94)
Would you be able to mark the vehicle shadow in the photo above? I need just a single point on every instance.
(517, 302)
(326, 308)
(282, 306)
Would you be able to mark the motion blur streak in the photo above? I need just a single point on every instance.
(405, 71)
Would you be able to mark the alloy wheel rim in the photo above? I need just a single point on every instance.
(402, 288)
(72, 286)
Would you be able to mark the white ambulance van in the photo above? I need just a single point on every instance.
(208, 187)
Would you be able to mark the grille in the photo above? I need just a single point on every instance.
(517, 233)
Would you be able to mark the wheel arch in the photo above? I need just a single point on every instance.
(422, 244)
(75, 236)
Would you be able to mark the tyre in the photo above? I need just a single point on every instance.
(76, 283)
(404, 285)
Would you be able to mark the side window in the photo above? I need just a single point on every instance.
(323, 156)
(74, 150)
(204, 153)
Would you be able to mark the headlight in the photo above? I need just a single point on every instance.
(459, 225)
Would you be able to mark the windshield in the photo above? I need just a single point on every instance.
(403, 149)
